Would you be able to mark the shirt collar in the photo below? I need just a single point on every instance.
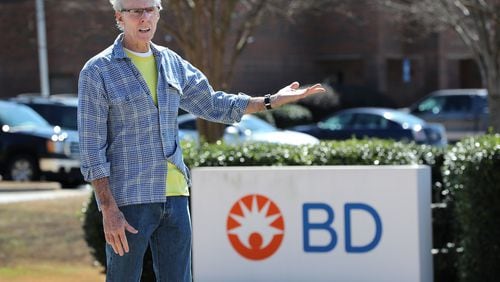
(119, 53)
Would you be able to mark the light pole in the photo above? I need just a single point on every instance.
(43, 64)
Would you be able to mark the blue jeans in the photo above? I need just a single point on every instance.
(166, 227)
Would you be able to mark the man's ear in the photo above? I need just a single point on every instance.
(119, 20)
(118, 17)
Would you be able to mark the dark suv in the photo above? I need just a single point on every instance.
(32, 149)
(463, 112)
(58, 109)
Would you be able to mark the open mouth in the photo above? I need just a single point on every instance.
(144, 30)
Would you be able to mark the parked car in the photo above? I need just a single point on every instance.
(249, 129)
(376, 123)
(31, 149)
(59, 109)
(463, 112)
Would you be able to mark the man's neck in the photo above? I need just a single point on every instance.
(137, 47)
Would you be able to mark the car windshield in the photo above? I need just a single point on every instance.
(15, 115)
(255, 124)
(64, 116)
(450, 103)
(431, 105)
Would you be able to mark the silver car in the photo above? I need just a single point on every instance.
(249, 129)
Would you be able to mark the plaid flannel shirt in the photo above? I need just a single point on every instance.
(125, 137)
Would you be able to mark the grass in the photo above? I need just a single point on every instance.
(54, 272)
(43, 241)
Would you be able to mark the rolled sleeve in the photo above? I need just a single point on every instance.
(96, 172)
(92, 125)
(240, 106)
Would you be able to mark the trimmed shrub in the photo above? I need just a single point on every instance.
(444, 239)
(287, 116)
(94, 232)
(472, 173)
(349, 152)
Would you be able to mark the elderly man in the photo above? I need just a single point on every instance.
(129, 96)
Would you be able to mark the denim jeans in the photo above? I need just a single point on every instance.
(166, 227)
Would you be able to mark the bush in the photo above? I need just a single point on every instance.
(444, 239)
(471, 172)
(94, 232)
(349, 152)
(287, 116)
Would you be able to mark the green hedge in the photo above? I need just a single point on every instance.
(350, 152)
(472, 173)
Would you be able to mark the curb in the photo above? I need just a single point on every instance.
(12, 186)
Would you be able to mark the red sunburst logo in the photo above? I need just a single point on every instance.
(255, 227)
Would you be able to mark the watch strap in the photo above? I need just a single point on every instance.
(267, 101)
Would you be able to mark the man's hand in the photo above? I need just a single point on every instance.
(115, 224)
(288, 94)
(113, 221)
(292, 93)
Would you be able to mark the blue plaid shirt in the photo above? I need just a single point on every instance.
(125, 137)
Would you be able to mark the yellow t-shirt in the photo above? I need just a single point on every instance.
(146, 64)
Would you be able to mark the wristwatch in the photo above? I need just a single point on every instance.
(267, 101)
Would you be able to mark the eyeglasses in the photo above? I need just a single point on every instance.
(139, 12)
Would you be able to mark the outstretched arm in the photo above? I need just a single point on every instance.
(288, 94)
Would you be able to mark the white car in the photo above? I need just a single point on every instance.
(249, 129)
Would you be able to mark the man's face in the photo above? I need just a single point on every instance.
(138, 19)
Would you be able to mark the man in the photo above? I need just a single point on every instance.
(129, 96)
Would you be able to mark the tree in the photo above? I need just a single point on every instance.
(477, 23)
(213, 34)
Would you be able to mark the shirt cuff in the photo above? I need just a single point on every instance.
(96, 172)
(240, 106)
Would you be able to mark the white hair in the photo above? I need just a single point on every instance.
(118, 5)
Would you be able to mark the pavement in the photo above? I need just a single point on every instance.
(13, 192)
(12, 186)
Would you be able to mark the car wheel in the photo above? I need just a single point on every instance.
(22, 168)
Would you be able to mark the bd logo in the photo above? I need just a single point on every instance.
(255, 227)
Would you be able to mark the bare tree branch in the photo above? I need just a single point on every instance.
(214, 33)
(476, 22)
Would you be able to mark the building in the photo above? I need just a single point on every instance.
(366, 58)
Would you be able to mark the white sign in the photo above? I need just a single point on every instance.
(325, 223)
